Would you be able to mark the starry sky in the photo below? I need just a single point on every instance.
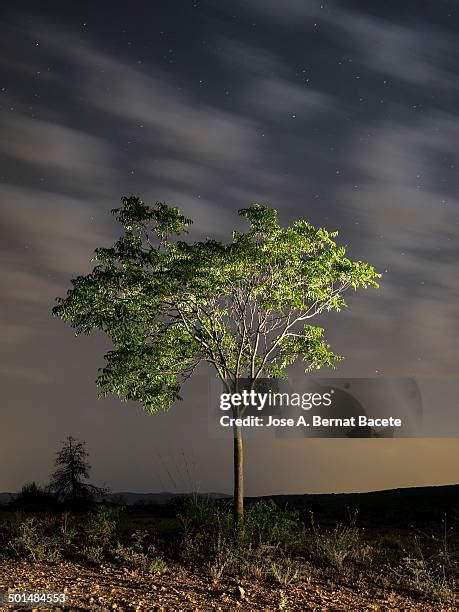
(344, 113)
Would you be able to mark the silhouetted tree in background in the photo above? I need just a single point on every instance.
(34, 498)
(68, 480)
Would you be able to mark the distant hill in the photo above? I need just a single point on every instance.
(129, 498)
(392, 507)
(5, 498)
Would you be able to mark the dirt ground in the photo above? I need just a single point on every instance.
(109, 587)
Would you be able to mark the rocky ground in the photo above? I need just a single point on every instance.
(108, 587)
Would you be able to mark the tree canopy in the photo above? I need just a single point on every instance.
(244, 306)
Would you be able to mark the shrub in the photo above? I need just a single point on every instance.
(202, 522)
(286, 570)
(68, 530)
(37, 539)
(137, 553)
(33, 498)
(157, 566)
(94, 553)
(424, 578)
(101, 531)
(337, 545)
(8, 529)
(129, 556)
(225, 556)
(266, 523)
(425, 575)
(208, 533)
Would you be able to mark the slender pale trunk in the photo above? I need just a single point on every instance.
(238, 500)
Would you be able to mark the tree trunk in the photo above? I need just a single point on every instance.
(238, 508)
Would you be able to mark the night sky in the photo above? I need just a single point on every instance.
(345, 113)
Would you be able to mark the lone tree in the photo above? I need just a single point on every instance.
(242, 306)
(68, 481)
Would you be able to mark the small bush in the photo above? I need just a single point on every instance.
(157, 566)
(101, 531)
(286, 570)
(203, 521)
(8, 528)
(138, 539)
(424, 578)
(266, 523)
(232, 557)
(68, 530)
(94, 553)
(137, 554)
(225, 556)
(208, 533)
(335, 546)
(37, 539)
(129, 556)
(33, 498)
(425, 575)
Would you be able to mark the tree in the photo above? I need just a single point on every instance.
(242, 306)
(33, 498)
(67, 482)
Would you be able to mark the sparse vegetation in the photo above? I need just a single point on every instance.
(279, 548)
(157, 566)
(37, 539)
(286, 570)
(343, 543)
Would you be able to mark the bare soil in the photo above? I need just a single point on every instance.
(109, 587)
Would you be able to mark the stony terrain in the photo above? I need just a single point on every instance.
(108, 586)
